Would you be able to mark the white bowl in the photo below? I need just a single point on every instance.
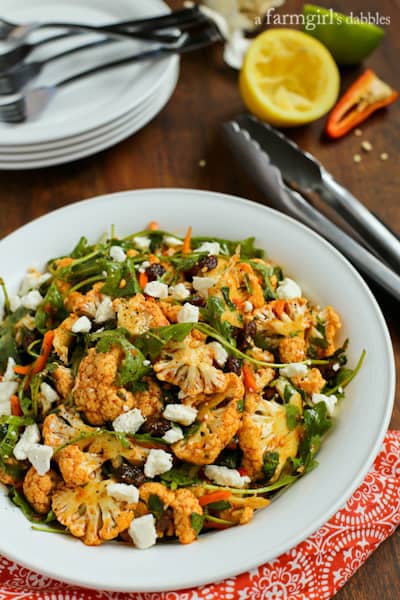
(346, 454)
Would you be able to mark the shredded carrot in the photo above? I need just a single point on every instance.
(249, 379)
(279, 307)
(153, 226)
(41, 360)
(15, 407)
(153, 259)
(214, 497)
(20, 370)
(143, 280)
(186, 248)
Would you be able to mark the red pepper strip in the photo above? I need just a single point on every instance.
(15, 407)
(214, 497)
(212, 525)
(248, 379)
(41, 360)
(367, 94)
(243, 472)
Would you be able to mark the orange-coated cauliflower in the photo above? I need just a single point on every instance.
(77, 467)
(189, 365)
(311, 383)
(90, 513)
(95, 392)
(38, 489)
(63, 337)
(59, 429)
(265, 429)
(219, 418)
(178, 508)
(149, 402)
(64, 381)
(283, 317)
(170, 311)
(292, 349)
(139, 314)
(85, 304)
(242, 281)
(262, 375)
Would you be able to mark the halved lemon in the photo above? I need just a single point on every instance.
(288, 78)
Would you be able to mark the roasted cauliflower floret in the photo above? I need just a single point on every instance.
(311, 383)
(242, 281)
(139, 314)
(170, 311)
(38, 489)
(178, 509)
(63, 337)
(64, 381)
(189, 365)
(91, 513)
(77, 467)
(59, 429)
(292, 349)
(265, 429)
(283, 317)
(95, 392)
(150, 401)
(85, 304)
(219, 418)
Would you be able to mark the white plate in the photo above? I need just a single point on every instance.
(97, 100)
(130, 125)
(18, 152)
(346, 454)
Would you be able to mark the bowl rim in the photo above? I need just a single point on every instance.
(255, 560)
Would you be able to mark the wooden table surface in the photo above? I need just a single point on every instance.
(167, 153)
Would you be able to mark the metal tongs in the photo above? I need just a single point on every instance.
(277, 165)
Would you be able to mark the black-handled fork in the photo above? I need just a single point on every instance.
(30, 104)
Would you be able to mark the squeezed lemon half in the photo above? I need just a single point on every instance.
(288, 78)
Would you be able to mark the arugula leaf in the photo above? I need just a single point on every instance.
(270, 463)
(212, 314)
(230, 458)
(132, 368)
(156, 505)
(182, 476)
(266, 273)
(316, 423)
(186, 262)
(197, 522)
(8, 345)
(152, 342)
(52, 311)
(81, 249)
(147, 437)
(247, 248)
(19, 500)
(292, 415)
(10, 434)
(225, 292)
(192, 429)
(219, 506)
(345, 376)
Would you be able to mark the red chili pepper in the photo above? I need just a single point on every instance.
(367, 94)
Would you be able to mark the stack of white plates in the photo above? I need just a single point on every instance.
(95, 113)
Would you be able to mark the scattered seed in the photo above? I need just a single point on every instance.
(357, 132)
(202, 163)
(384, 156)
(357, 158)
(367, 146)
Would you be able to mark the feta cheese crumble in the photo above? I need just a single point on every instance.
(31, 300)
(7, 389)
(288, 289)
(213, 248)
(179, 413)
(247, 306)
(172, 241)
(49, 393)
(330, 402)
(82, 325)
(294, 370)
(143, 532)
(123, 492)
(157, 462)
(188, 313)
(203, 284)
(40, 456)
(143, 266)
(15, 303)
(173, 435)
(30, 437)
(142, 242)
(9, 374)
(104, 311)
(156, 289)
(220, 354)
(179, 291)
(117, 254)
(129, 422)
(32, 281)
(225, 476)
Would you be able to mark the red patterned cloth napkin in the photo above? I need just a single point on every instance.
(314, 570)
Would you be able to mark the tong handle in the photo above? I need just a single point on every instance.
(362, 220)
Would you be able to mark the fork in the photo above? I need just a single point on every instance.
(18, 32)
(30, 104)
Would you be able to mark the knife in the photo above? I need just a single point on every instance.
(307, 173)
(268, 177)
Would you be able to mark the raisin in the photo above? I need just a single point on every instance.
(155, 271)
(156, 426)
(246, 335)
(130, 474)
(166, 521)
(233, 365)
(269, 393)
(207, 263)
(198, 300)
